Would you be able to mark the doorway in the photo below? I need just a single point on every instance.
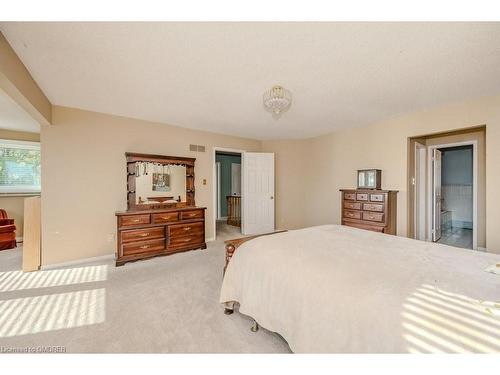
(447, 188)
(243, 193)
(453, 194)
(227, 193)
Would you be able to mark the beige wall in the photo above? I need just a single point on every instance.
(17, 82)
(291, 181)
(84, 181)
(14, 205)
(333, 159)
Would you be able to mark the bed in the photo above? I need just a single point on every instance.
(337, 289)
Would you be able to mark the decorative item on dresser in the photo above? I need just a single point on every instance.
(374, 210)
(369, 179)
(159, 225)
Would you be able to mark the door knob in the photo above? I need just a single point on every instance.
(272, 197)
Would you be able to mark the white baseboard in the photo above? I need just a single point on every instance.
(482, 249)
(77, 262)
(19, 239)
(210, 239)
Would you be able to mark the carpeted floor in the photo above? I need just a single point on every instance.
(165, 305)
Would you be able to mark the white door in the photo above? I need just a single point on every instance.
(235, 179)
(258, 193)
(436, 195)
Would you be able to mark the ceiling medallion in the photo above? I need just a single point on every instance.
(277, 100)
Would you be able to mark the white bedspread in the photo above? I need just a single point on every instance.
(338, 289)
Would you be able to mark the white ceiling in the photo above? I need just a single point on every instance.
(212, 76)
(13, 117)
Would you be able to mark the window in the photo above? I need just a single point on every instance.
(19, 167)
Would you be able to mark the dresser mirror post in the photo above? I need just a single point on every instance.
(161, 216)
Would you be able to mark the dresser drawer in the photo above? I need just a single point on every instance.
(193, 214)
(376, 197)
(185, 229)
(142, 234)
(350, 196)
(352, 214)
(185, 241)
(352, 205)
(128, 221)
(362, 196)
(373, 207)
(372, 216)
(166, 217)
(152, 246)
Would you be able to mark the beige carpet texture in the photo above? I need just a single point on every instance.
(162, 305)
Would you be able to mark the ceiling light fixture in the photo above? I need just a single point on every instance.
(277, 100)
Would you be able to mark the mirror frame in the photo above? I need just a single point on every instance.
(133, 157)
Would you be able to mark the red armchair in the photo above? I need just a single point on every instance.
(7, 231)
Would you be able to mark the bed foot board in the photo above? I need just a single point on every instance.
(255, 326)
(228, 311)
(232, 245)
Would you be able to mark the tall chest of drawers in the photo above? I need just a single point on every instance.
(374, 210)
(149, 233)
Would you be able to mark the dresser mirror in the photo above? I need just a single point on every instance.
(158, 181)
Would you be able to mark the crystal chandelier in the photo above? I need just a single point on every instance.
(277, 100)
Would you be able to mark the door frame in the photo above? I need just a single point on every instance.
(217, 193)
(475, 169)
(419, 196)
(214, 184)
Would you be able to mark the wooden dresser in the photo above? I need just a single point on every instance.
(156, 223)
(149, 233)
(374, 210)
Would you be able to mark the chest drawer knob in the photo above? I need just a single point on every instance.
(144, 234)
(187, 228)
(144, 246)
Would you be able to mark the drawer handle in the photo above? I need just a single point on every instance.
(165, 217)
(187, 240)
(144, 246)
(144, 234)
(136, 220)
(192, 215)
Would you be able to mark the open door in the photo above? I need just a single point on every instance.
(257, 193)
(436, 195)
